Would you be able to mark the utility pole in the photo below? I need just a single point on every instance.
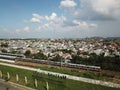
(61, 62)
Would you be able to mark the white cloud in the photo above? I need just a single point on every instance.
(67, 4)
(96, 10)
(61, 24)
(18, 30)
(93, 25)
(23, 30)
(52, 17)
(106, 7)
(61, 27)
(84, 24)
(36, 18)
(52, 22)
(26, 29)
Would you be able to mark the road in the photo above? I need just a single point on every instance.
(99, 82)
(5, 60)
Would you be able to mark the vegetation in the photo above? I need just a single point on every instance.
(4, 51)
(57, 58)
(102, 75)
(109, 63)
(4, 44)
(55, 83)
(28, 53)
(40, 55)
(65, 51)
(86, 74)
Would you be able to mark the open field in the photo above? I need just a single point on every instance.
(55, 83)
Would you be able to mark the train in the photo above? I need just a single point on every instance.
(61, 64)
(17, 57)
(10, 56)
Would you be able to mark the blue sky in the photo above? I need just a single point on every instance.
(59, 18)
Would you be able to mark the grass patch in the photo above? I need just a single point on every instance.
(75, 72)
(55, 83)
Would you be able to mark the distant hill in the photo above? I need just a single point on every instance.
(113, 37)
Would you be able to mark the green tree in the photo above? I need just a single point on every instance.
(4, 51)
(4, 44)
(77, 59)
(27, 53)
(57, 58)
(40, 55)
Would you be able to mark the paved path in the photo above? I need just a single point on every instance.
(5, 60)
(99, 82)
(12, 86)
(5, 86)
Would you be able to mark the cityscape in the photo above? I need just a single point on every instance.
(65, 48)
(59, 45)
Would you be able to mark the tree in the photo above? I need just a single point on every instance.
(57, 58)
(77, 59)
(4, 51)
(4, 44)
(28, 53)
(40, 55)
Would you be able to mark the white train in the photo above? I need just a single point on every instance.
(16, 57)
(69, 65)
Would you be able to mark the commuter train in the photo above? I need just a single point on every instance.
(62, 64)
(10, 56)
(16, 57)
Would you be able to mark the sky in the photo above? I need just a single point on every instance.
(59, 18)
